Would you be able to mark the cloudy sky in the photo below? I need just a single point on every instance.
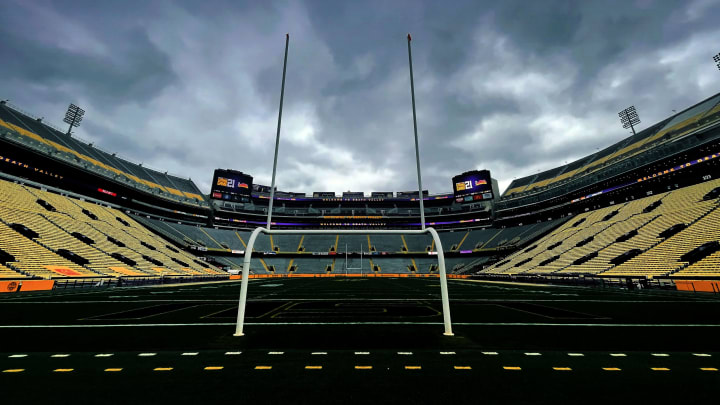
(510, 86)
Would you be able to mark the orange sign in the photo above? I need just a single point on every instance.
(37, 285)
(9, 286)
(698, 285)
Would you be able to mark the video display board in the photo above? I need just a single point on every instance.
(473, 183)
(231, 185)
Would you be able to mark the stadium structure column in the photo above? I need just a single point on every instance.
(417, 148)
(277, 136)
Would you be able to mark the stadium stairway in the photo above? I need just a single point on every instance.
(587, 243)
(545, 250)
(662, 258)
(629, 217)
(74, 238)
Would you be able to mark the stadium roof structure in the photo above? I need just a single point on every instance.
(701, 115)
(23, 128)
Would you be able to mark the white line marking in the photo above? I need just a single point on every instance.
(154, 325)
(190, 354)
(575, 354)
(490, 353)
(533, 354)
(276, 353)
(362, 353)
(318, 353)
(60, 355)
(447, 353)
(405, 353)
(104, 354)
(17, 356)
(147, 354)
(660, 354)
(702, 355)
(232, 353)
(618, 354)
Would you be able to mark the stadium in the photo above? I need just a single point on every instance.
(596, 280)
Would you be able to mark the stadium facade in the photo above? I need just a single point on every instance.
(644, 207)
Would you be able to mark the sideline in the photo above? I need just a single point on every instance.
(155, 325)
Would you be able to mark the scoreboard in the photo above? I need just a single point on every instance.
(231, 185)
(473, 186)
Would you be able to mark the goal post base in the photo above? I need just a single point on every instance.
(253, 236)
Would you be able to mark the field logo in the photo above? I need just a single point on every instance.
(464, 185)
(468, 184)
(230, 183)
(12, 286)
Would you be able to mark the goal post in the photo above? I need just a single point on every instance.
(268, 231)
(253, 236)
(361, 261)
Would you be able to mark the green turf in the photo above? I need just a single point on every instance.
(382, 317)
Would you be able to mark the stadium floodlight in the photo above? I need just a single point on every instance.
(629, 118)
(73, 116)
(716, 58)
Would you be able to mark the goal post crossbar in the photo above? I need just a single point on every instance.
(258, 230)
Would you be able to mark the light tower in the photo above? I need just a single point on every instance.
(73, 116)
(629, 118)
(716, 58)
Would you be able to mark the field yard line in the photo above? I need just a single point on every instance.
(512, 283)
(146, 325)
(363, 299)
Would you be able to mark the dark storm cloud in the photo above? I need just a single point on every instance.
(515, 87)
(113, 68)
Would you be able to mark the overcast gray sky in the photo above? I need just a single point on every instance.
(510, 86)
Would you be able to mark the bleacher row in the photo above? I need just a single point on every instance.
(46, 235)
(644, 237)
(354, 265)
(475, 240)
(700, 115)
(18, 127)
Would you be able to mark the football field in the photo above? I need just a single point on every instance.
(325, 340)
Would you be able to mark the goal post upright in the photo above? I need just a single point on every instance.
(277, 136)
(417, 148)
